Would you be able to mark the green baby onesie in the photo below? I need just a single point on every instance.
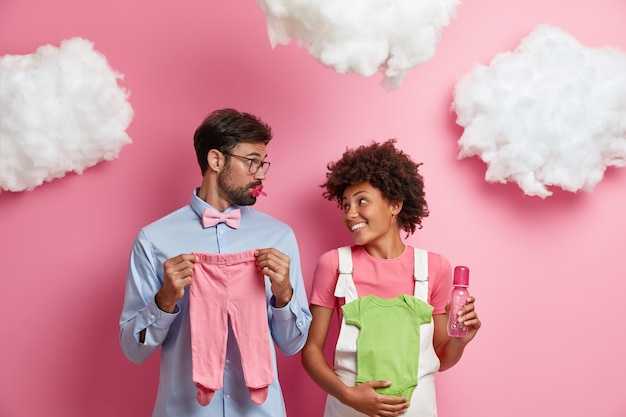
(388, 344)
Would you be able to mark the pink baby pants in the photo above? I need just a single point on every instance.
(223, 286)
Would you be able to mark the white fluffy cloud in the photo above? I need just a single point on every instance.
(362, 36)
(61, 110)
(550, 113)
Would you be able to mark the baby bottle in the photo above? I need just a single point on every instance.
(458, 299)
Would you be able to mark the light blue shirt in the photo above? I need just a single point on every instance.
(182, 232)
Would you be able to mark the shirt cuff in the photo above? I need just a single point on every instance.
(152, 317)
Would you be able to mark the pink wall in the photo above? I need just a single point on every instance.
(548, 274)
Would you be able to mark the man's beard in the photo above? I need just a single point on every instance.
(241, 196)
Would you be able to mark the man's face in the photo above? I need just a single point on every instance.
(235, 181)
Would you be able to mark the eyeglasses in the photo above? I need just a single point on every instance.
(255, 165)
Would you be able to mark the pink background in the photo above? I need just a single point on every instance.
(548, 274)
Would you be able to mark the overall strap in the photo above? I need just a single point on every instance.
(345, 286)
(420, 273)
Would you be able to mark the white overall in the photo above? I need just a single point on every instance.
(423, 402)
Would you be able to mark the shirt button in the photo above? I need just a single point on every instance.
(227, 360)
(152, 316)
(228, 396)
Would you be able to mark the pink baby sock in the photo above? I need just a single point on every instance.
(204, 395)
(258, 395)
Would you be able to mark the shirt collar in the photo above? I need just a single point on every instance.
(198, 205)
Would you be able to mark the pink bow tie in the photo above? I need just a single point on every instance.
(211, 217)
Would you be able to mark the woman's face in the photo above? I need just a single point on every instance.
(369, 216)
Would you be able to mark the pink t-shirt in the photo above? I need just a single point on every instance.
(385, 278)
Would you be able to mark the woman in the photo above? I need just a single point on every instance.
(380, 279)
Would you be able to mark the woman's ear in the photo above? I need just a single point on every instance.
(396, 207)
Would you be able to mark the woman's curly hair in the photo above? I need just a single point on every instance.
(386, 168)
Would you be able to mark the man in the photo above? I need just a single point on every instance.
(161, 309)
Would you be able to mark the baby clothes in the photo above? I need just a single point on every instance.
(423, 401)
(229, 286)
(388, 340)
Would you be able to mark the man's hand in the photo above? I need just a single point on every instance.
(275, 265)
(177, 274)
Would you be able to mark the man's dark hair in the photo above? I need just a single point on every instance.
(225, 128)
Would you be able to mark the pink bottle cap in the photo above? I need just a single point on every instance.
(461, 276)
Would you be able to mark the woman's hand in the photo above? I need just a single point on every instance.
(470, 319)
(365, 399)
